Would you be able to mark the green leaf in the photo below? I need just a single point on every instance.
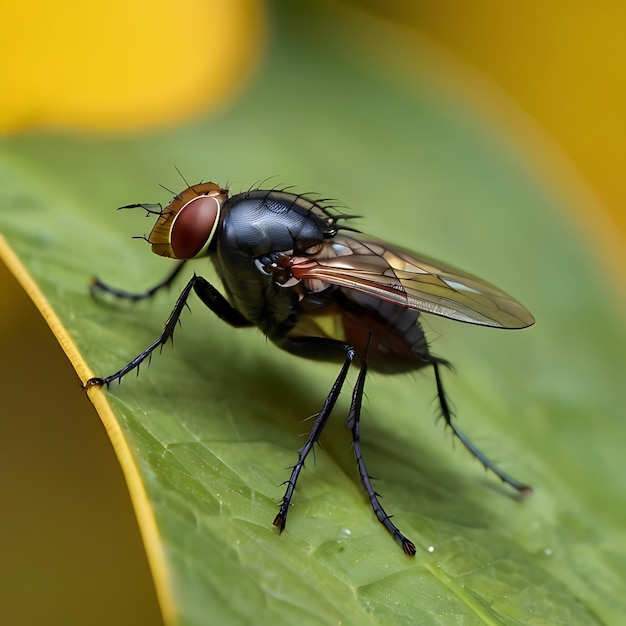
(206, 432)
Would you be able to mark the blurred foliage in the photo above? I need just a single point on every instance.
(561, 63)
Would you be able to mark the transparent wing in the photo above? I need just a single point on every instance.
(394, 275)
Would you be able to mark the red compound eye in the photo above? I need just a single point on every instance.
(193, 226)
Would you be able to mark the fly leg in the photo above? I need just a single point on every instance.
(353, 423)
(447, 415)
(317, 348)
(98, 286)
(209, 295)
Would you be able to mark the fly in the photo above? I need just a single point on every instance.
(293, 267)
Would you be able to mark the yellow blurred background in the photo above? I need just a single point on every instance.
(562, 63)
(73, 554)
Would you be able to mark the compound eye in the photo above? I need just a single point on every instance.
(193, 226)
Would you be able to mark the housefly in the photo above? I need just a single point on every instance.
(292, 266)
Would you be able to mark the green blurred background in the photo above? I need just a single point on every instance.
(71, 552)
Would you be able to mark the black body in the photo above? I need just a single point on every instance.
(256, 229)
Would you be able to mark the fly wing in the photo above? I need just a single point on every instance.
(375, 268)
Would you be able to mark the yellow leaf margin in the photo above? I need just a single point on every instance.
(139, 497)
